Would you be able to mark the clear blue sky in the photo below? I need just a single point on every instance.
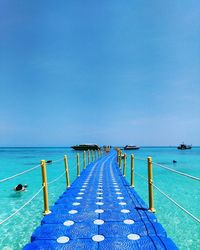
(110, 72)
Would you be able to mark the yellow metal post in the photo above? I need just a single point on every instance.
(67, 171)
(95, 155)
(124, 170)
(78, 165)
(45, 187)
(117, 156)
(120, 158)
(88, 156)
(150, 184)
(132, 171)
(84, 153)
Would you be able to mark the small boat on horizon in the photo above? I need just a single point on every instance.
(86, 147)
(129, 147)
(183, 146)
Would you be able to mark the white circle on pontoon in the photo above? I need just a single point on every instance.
(63, 239)
(80, 193)
(117, 189)
(118, 193)
(120, 198)
(128, 221)
(79, 198)
(98, 238)
(99, 211)
(99, 203)
(73, 212)
(84, 186)
(122, 203)
(68, 223)
(125, 211)
(82, 189)
(76, 204)
(99, 198)
(99, 193)
(133, 237)
(98, 222)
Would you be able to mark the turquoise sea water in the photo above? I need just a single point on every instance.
(16, 232)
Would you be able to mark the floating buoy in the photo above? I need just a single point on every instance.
(49, 161)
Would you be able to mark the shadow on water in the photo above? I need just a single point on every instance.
(15, 194)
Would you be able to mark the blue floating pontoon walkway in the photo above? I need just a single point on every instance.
(100, 211)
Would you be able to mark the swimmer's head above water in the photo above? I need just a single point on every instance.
(20, 187)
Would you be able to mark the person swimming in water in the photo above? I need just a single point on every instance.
(20, 187)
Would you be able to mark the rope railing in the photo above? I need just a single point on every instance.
(57, 178)
(141, 176)
(60, 159)
(178, 205)
(141, 159)
(26, 171)
(18, 210)
(172, 170)
(172, 200)
(21, 173)
(177, 172)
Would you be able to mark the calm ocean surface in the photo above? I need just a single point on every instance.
(16, 232)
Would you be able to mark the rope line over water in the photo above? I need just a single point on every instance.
(172, 170)
(21, 173)
(18, 210)
(141, 176)
(169, 198)
(177, 172)
(182, 208)
(61, 159)
(26, 171)
(57, 178)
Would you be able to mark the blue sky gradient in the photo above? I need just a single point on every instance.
(109, 72)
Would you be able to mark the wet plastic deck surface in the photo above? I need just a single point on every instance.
(100, 211)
